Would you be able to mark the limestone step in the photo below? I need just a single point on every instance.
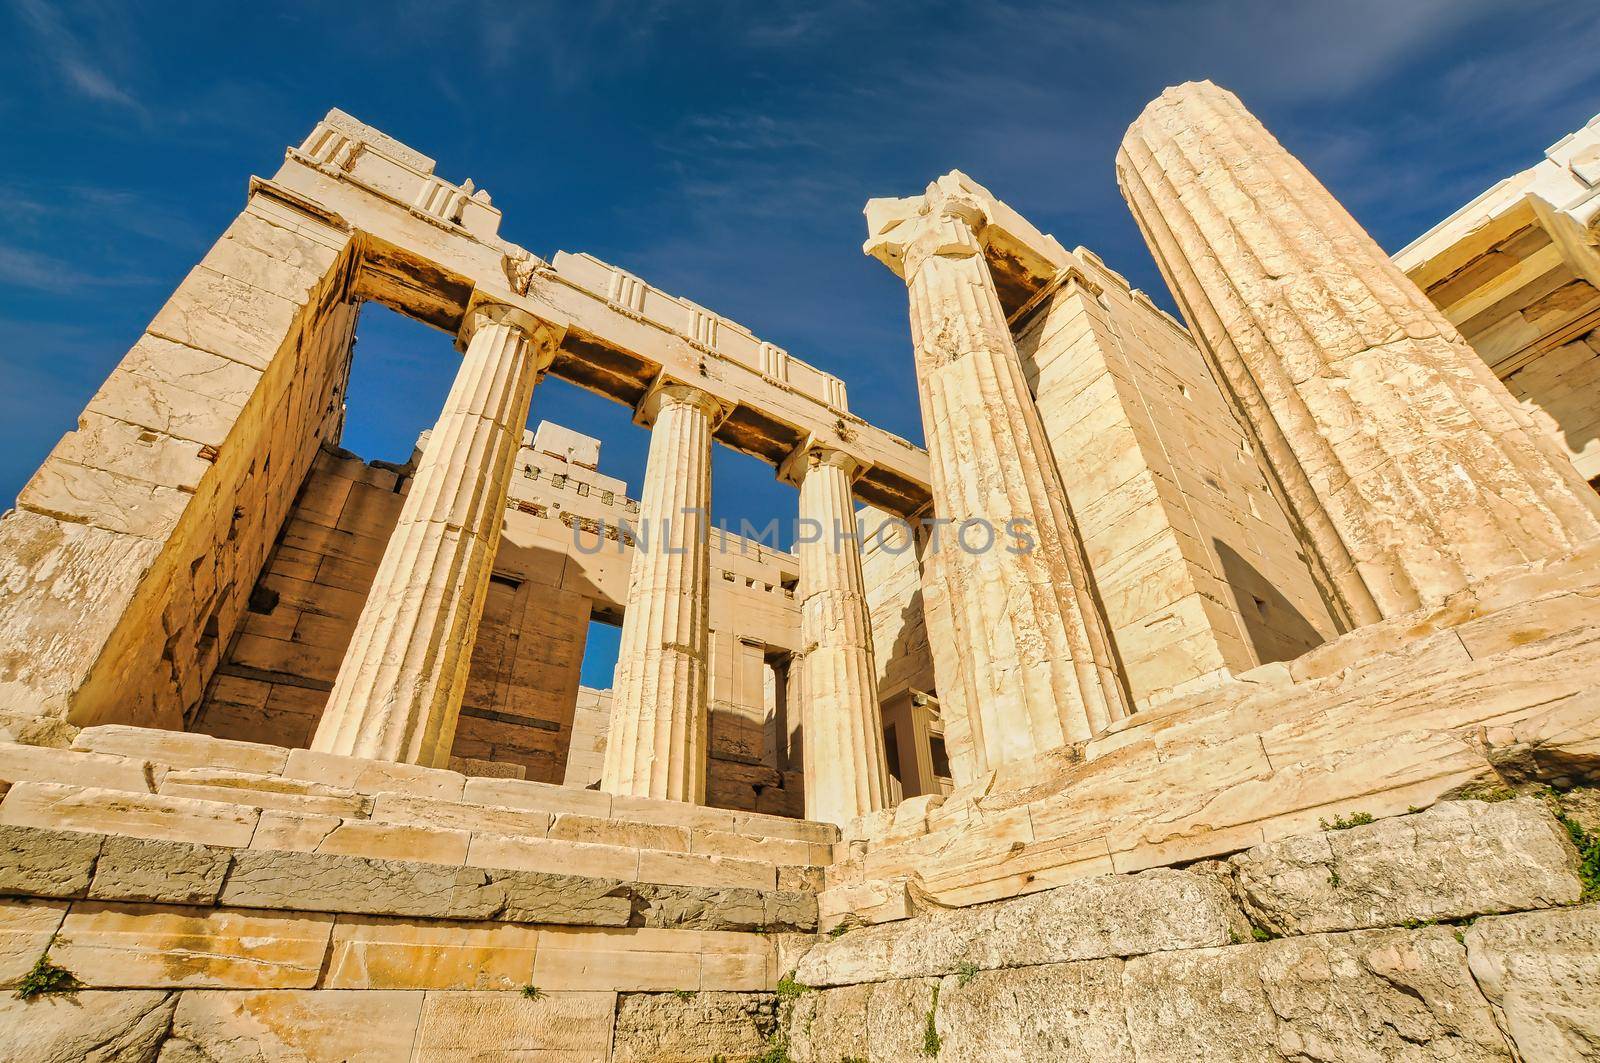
(422, 830)
(181, 750)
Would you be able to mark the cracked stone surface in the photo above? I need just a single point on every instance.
(668, 1028)
(1457, 859)
(87, 1027)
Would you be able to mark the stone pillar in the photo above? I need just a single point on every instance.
(399, 689)
(657, 742)
(1036, 661)
(1408, 467)
(846, 774)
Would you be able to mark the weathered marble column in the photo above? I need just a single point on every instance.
(1408, 467)
(846, 774)
(1037, 664)
(399, 689)
(657, 742)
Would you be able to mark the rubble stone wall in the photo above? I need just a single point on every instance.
(1462, 932)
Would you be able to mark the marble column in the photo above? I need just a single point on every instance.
(657, 741)
(1407, 466)
(398, 692)
(1037, 666)
(846, 774)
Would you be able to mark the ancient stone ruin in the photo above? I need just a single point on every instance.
(1263, 730)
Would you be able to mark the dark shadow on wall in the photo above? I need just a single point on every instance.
(1277, 630)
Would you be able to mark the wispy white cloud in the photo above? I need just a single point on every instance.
(86, 49)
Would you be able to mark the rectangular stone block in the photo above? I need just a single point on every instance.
(162, 947)
(1109, 916)
(107, 771)
(540, 797)
(673, 813)
(800, 830)
(26, 927)
(1061, 1012)
(289, 1024)
(573, 827)
(782, 851)
(46, 863)
(1371, 995)
(557, 1027)
(180, 749)
(459, 815)
(1455, 860)
(558, 857)
(373, 953)
(1541, 971)
(374, 776)
(120, 812)
(164, 872)
(692, 869)
(315, 882)
(628, 960)
(264, 791)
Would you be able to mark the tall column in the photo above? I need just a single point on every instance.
(1037, 666)
(657, 743)
(846, 774)
(399, 689)
(1406, 464)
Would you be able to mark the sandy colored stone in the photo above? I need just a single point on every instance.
(1376, 995)
(1541, 971)
(1113, 915)
(182, 750)
(537, 796)
(1059, 1013)
(1457, 859)
(577, 828)
(545, 855)
(86, 1027)
(264, 791)
(374, 776)
(26, 927)
(38, 862)
(324, 883)
(370, 953)
(144, 869)
(459, 815)
(666, 1028)
(163, 946)
(558, 1027)
(656, 742)
(120, 812)
(108, 771)
(693, 869)
(266, 1027)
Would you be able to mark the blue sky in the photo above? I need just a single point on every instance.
(723, 151)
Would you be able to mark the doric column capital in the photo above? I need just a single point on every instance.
(482, 311)
(813, 452)
(947, 219)
(668, 392)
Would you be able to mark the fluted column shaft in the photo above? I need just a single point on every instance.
(1037, 664)
(657, 742)
(398, 692)
(1405, 463)
(846, 773)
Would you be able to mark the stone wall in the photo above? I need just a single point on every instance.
(1456, 933)
(1200, 574)
(127, 564)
